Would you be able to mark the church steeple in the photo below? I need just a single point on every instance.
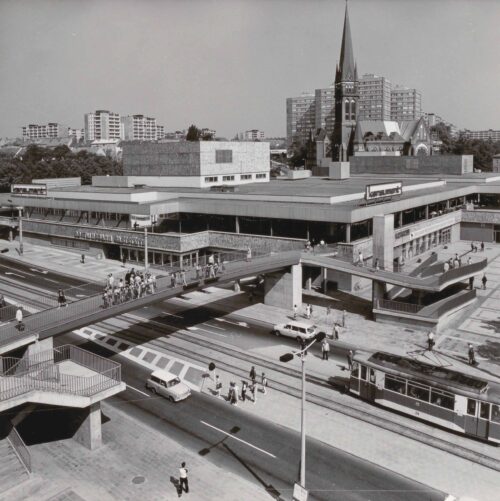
(347, 68)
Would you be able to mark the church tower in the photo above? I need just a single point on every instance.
(346, 98)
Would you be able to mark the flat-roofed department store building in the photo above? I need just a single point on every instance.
(189, 216)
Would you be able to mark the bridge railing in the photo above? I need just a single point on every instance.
(45, 372)
(399, 306)
(20, 447)
(463, 271)
(180, 282)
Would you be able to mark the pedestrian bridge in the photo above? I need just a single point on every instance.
(83, 312)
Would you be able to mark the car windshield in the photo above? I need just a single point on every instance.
(173, 382)
(310, 330)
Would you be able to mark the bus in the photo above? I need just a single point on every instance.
(459, 402)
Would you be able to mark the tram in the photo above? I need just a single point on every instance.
(453, 400)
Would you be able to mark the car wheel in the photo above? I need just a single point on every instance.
(153, 390)
(277, 333)
(171, 398)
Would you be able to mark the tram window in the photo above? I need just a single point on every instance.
(471, 407)
(484, 410)
(495, 413)
(419, 392)
(363, 372)
(372, 376)
(395, 384)
(355, 370)
(442, 399)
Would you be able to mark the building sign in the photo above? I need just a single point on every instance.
(374, 191)
(110, 238)
(29, 190)
(142, 221)
(402, 233)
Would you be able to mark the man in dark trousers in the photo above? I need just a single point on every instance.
(350, 356)
(482, 246)
(253, 374)
(183, 478)
(484, 280)
(472, 358)
(430, 340)
(471, 283)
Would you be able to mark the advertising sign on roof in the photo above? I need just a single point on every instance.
(374, 191)
(29, 190)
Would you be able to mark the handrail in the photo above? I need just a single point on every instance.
(462, 271)
(20, 448)
(388, 304)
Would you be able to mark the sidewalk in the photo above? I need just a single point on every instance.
(135, 462)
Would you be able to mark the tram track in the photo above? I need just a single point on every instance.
(355, 411)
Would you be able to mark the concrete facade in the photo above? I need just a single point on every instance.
(89, 433)
(383, 240)
(284, 289)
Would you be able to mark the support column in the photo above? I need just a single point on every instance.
(383, 240)
(378, 292)
(324, 276)
(400, 217)
(45, 346)
(284, 289)
(426, 212)
(348, 233)
(237, 224)
(89, 434)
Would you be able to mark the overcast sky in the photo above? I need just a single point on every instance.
(231, 64)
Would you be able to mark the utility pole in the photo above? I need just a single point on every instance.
(146, 249)
(21, 247)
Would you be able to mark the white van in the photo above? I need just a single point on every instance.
(168, 385)
(298, 330)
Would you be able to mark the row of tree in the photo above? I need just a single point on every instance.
(37, 162)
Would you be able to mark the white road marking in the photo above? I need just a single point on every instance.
(16, 274)
(192, 328)
(241, 324)
(39, 271)
(205, 330)
(81, 295)
(139, 391)
(238, 439)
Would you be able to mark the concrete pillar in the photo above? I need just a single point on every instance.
(11, 235)
(348, 233)
(309, 283)
(426, 212)
(237, 224)
(89, 434)
(378, 291)
(271, 232)
(400, 217)
(237, 286)
(324, 276)
(383, 240)
(46, 346)
(284, 289)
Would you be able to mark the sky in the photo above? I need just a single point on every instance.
(230, 64)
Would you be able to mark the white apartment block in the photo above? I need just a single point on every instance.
(251, 135)
(374, 97)
(483, 135)
(325, 109)
(102, 124)
(300, 117)
(406, 104)
(50, 130)
(141, 128)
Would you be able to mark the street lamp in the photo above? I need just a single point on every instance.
(286, 358)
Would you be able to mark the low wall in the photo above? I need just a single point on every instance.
(259, 243)
(435, 164)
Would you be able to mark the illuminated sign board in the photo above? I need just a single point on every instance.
(29, 190)
(374, 191)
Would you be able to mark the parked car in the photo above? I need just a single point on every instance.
(298, 330)
(168, 385)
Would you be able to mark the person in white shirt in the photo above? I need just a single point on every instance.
(19, 317)
(183, 478)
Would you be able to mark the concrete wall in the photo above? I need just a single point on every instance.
(255, 242)
(383, 240)
(284, 289)
(478, 232)
(435, 164)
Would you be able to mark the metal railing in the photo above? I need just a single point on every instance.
(84, 308)
(454, 302)
(20, 448)
(44, 372)
(399, 306)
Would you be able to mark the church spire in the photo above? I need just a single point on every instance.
(347, 67)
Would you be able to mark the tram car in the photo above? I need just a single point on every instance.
(448, 398)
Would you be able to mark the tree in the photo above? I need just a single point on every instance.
(193, 133)
(299, 153)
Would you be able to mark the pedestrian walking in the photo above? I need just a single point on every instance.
(244, 391)
(183, 478)
(325, 349)
(328, 310)
(308, 311)
(484, 280)
(336, 331)
(472, 358)
(183, 277)
(263, 382)
(61, 298)
(295, 312)
(218, 385)
(469, 260)
(471, 283)
(111, 280)
(253, 392)
(446, 266)
(19, 318)
(343, 318)
(82, 260)
(350, 357)
(472, 246)
(249, 254)
(234, 399)
(253, 374)
(430, 340)
(482, 246)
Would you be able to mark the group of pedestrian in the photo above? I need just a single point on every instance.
(473, 247)
(484, 281)
(134, 286)
(248, 391)
(307, 312)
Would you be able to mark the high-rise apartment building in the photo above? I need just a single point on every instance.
(50, 130)
(325, 109)
(102, 124)
(374, 97)
(300, 117)
(406, 104)
(251, 135)
(141, 128)
(483, 135)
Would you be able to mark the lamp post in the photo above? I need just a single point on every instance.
(286, 358)
(146, 249)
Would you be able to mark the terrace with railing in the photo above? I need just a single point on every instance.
(51, 375)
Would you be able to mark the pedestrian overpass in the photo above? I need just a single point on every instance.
(274, 266)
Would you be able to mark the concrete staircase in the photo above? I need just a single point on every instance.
(12, 470)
